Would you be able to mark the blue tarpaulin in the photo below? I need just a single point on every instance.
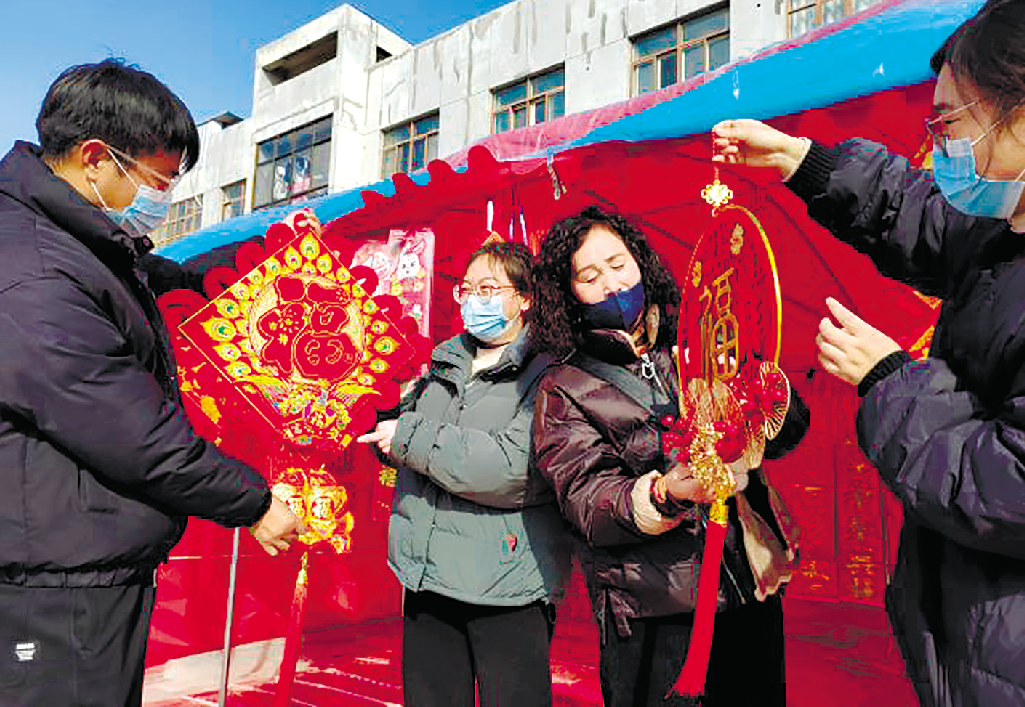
(886, 49)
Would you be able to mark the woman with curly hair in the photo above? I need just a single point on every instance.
(610, 309)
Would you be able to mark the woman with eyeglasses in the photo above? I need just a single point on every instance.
(475, 537)
(947, 433)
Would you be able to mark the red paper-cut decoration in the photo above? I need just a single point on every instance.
(298, 339)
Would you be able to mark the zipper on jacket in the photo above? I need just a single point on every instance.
(650, 372)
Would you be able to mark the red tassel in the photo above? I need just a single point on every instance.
(691, 681)
(293, 639)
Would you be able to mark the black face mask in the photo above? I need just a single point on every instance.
(620, 310)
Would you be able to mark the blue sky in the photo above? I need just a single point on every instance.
(203, 49)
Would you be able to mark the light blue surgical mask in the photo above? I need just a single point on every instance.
(485, 318)
(148, 209)
(965, 189)
(147, 212)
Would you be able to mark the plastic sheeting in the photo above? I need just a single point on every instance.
(849, 521)
(848, 543)
(887, 46)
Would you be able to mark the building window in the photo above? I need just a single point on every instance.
(234, 203)
(183, 217)
(805, 15)
(681, 51)
(531, 101)
(410, 146)
(293, 167)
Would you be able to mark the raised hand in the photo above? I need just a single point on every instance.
(755, 144)
(853, 349)
(381, 436)
(278, 528)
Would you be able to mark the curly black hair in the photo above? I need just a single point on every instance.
(557, 306)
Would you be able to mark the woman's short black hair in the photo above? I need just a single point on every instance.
(989, 52)
(515, 260)
(125, 107)
(558, 308)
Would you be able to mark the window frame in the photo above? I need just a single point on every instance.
(413, 138)
(282, 149)
(679, 48)
(530, 101)
(819, 6)
(171, 229)
(239, 201)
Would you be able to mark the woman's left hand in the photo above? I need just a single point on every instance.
(853, 349)
(381, 436)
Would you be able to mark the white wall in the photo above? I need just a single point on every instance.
(225, 157)
(453, 74)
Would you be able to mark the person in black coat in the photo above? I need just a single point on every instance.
(946, 433)
(98, 464)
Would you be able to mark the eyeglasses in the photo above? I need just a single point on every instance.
(937, 127)
(167, 183)
(485, 291)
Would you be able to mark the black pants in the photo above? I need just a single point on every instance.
(447, 645)
(746, 666)
(82, 647)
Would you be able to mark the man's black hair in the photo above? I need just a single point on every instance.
(125, 107)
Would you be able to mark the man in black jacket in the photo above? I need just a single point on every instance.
(99, 468)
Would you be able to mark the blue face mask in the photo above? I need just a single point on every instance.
(146, 213)
(486, 320)
(955, 174)
(620, 310)
(148, 209)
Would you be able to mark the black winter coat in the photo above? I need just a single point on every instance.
(947, 434)
(592, 442)
(99, 467)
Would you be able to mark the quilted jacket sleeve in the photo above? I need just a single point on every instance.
(891, 212)
(70, 374)
(491, 468)
(591, 486)
(956, 468)
(164, 275)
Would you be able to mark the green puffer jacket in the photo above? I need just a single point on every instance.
(472, 519)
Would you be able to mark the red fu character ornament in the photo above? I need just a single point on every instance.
(733, 395)
(293, 352)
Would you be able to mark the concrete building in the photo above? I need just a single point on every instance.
(342, 101)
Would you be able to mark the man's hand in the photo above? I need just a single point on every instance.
(852, 350)
(381, 436)
(753, 143)
(277, 529)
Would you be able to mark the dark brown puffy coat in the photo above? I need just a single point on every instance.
(592, 442)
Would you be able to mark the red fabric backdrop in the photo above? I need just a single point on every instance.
(849, 522)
